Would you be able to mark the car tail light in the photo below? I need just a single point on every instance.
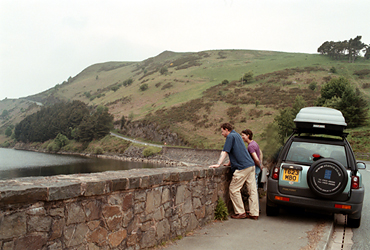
(281, 198)
(343, 206)
(275, 173)
(355, 182)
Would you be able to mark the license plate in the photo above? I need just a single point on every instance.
(291, 175)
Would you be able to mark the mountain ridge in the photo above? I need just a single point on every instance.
(189, 84)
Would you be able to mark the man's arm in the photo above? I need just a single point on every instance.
(220, 160)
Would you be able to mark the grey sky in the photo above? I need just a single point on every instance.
(43, 42)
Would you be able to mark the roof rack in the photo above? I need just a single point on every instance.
(320, 120)
(320, 132)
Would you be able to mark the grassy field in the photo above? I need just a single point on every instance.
(190, 99)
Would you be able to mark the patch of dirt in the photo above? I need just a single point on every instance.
(314, 236)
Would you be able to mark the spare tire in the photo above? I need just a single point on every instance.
(327, 178)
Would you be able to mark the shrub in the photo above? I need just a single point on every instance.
(164, 71)
(247, 78)
(221, 212)
(333, 70)
(53, 147)
(167, 86)
(312, 86)
(149, 151)
(98, 151)
(362, 73)
(61, 140)
(127, 82)
(224, 82)
(144, 87)
(115, 88)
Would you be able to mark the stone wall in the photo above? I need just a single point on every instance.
(204, 157)
(132, 209)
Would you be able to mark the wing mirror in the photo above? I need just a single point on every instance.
(361, 165)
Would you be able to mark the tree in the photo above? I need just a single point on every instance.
(340, 49)
(338, 93)
(334, 88)
(271, 134)
(367, 52)
(73, 120)
(123, 121)
(61, 140)
(8, 132)
(103, 123)
(285, 119)
(285, 123)
(248, 77)
(4, 114)
(298, 104)
(354, 47)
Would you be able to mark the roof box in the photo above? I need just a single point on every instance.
(320, 120)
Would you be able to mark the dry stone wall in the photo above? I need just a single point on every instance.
(132, 209)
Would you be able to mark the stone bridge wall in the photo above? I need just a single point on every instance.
(132, 209)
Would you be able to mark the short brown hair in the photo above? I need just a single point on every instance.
(227, 126)
(248, 132)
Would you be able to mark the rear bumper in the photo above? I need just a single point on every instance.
(319, 204)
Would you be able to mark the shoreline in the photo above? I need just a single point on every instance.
(157, 159)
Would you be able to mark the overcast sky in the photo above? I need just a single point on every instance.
(43, 42)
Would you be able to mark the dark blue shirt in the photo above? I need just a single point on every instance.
(238, 154)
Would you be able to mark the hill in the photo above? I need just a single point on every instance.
(183, 96)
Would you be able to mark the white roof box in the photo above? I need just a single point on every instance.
(320, 120)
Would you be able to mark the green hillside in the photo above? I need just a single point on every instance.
(185, 91)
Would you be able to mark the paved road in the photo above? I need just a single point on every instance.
(291, 230)
(344, 238)
(361, 235)
(135, 141)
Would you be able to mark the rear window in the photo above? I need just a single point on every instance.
(303, 151)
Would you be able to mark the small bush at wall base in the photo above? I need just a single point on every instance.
(98, 151)
(221, 212)
(149, 151)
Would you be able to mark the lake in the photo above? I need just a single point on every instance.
(20, 163)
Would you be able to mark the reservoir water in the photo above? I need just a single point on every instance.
(19, 163)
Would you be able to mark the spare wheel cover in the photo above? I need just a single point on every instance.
(327, 178)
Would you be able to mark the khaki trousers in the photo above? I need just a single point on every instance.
(237, 182)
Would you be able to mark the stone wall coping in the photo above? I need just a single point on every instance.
(61, 187)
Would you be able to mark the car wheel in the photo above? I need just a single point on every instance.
(272, 211)
(327, 178)
(354, 223)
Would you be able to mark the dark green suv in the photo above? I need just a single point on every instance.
(316, 168)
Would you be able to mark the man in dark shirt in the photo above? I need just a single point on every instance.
(243, 169)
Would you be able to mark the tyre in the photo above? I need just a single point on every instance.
(354, 223)
(327, 178)
(271, 210)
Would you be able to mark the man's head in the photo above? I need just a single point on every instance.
(226, 128)
(247, 135)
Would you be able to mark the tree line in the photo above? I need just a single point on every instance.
(74, 120)
(348, 49)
